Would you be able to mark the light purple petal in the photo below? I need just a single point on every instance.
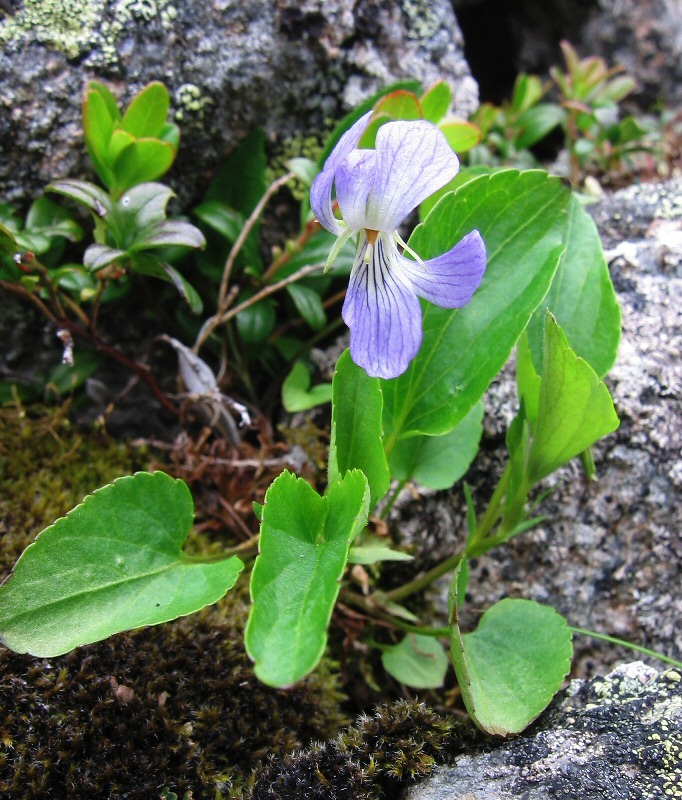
(321, 190)
(449, 280)
(382, 312)
(348, 142)
(321, 201)
(414, 160)
(354, 181)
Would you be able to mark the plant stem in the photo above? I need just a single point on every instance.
(268, 290)
(309, 231)
(623, 643)
(488, 520)
(479, 544)
(141, 370)
(425, 579)
(274, 187)
(394, 496)
(19, 290)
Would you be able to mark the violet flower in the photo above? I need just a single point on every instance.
(376, 190)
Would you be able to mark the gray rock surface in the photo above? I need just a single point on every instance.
(293, 68)
(609, 554)
(612, 738)
(644, 37)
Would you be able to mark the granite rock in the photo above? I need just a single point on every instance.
(612, 738)
(644, 37)
(293, 68)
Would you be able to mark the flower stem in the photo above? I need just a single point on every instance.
(425, 579)
(623, 643)
(394, 496)
(274, 187)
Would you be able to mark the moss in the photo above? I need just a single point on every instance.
(75, 27)
(46, 468)
(175, 706)
(371, 760)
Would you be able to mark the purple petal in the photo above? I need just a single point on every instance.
(355, 178)
(348, 142)
(449, 280)
(413, 161)
(321, 201)
(321, 190)
(382, 312)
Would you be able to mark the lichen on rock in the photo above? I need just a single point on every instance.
(611, 738)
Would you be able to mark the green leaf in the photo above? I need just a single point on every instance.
(171, 133)
(305, 169)
(521, 217)
(373, 549)
(417, 661)
(76, 279)
(399, 104)
(461, 136)
(146, 204)
(512, 665)
(304, 545)
(297, 394)
(438, 461)
(120, 140)
(146, 115)
(527, 379)
(240, 184)
(85, 193)
(537, 122)
(465, 175)
(309, 305)
(256, 322)
(527, 92)
(574, 409)
(144, 160)
(356, 441)
(100, 115)
(115, 562)
(109, 98)
(225, 221)
(436, 101)
(151, 265)
(139, 209)
(169, 232)
(98, 256)
(582, 298)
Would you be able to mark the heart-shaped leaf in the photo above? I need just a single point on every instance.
(297, 394)
(417, 661)
(304, 543)
(512, 665)
(115, 562)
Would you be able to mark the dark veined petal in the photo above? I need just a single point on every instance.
(414, 160)
(321, 190)
(382, 311)
(354, 181)
(449, 280)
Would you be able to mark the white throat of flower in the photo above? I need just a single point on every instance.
(371, 238)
